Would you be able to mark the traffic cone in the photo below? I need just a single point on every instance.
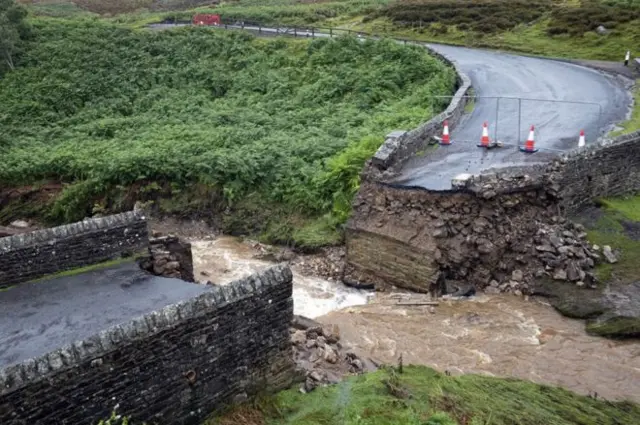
(529, 145)
(445, 134)
(484, 141)
(581, 141)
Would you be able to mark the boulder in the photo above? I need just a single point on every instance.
(609, 255)
(573, 271)
(560, 274)
(622, 318)
(517, 275)
(298, 338)
(19, 224)
(330, 355)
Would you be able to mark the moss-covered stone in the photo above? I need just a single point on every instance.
(616, 327)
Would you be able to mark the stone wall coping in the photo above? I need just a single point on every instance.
(395, 139)
(520, 178)
(601, 143)
(43, 236)
(71, 355)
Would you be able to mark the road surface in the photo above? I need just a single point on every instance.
(39, 317)
(545, 86)
(511, 77)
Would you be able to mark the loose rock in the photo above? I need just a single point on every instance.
(609, 255)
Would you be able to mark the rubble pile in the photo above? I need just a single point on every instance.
(169, 257)
(500, 233)
(319, 354)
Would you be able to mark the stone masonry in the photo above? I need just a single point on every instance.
(501, 230)
(173, 366)
(169, 256)
(43, 252)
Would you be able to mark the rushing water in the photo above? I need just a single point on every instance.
(226, 259)
(498, 335)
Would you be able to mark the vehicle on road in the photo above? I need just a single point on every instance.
(206, 19)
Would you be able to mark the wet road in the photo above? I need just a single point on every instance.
(39, 317)
(539, 82)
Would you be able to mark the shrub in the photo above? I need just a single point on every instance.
(477, 15)
(289, 120)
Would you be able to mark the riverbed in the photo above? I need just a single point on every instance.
(501, 335)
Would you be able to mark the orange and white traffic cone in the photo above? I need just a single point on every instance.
(529, 145)
(581, 141)
(445, 134)
(484, 141)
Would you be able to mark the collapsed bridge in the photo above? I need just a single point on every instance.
(494, 217)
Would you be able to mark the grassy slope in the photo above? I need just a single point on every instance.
(527, 37)
(633, 123)
(272, 128)
(422, 396)
(608, 230)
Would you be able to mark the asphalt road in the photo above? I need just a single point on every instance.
(37, 318)
(543, 83)
(547, 87)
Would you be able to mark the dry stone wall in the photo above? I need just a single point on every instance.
(32, 255)
(401, 145)
(409, 238)
(609, 168)
(173, 366)
(169, 256)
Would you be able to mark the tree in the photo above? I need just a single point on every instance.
(13, 31)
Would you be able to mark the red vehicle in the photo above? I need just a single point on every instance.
(206, 19)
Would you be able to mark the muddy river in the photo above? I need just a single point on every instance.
(501, 335)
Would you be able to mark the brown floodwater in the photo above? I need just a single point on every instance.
(226, 259)
(501, 335)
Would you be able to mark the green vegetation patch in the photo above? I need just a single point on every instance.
(588, 15)
(633, 123)
(103, 108)
(627, 327)
(80, 270)
(617, 224)
(477, 15)
(422, 396)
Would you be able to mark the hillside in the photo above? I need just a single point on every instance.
(206, 122)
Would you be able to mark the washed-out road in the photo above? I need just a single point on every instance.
(512, 93)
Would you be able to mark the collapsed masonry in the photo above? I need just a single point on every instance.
(169, 256)
(500, 230)
(408, 238)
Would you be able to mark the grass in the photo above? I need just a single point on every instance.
(421, 396)
(471, 102)
(563, 29)
(531, 38)
(608, 229)
(633, 123)
(615, 327)
(78, 270)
